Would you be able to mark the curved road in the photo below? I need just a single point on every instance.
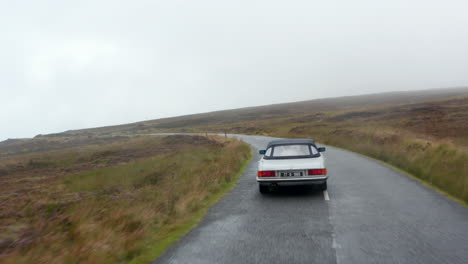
(374, 214)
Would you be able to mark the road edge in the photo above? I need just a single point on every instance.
(423, 182)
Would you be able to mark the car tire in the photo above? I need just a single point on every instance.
(263, 188)
(323, 186)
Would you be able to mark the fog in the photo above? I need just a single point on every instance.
(77, 64)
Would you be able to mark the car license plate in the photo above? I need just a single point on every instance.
(291, 173)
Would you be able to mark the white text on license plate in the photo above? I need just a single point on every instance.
(291, 173)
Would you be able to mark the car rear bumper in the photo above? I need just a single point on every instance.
(292, 181)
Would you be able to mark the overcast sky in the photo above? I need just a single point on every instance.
(77, 64)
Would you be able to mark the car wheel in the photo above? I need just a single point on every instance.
(263, 188)
(323, 186)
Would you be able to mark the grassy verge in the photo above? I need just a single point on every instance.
(118, 203)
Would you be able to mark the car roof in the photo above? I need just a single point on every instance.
(291, 141)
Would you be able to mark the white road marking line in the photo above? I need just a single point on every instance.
(325, 195)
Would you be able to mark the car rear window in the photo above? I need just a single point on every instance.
(291, 151)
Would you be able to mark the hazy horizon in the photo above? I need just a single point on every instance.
(98, 63)
(251, 106)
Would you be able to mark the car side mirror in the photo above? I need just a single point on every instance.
(322, 149)
(262, 152)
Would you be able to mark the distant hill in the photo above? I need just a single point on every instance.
(275, 111)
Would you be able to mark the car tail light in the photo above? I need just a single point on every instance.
(266, 173)
(317, 172)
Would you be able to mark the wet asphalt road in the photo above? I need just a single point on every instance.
(374, 215)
